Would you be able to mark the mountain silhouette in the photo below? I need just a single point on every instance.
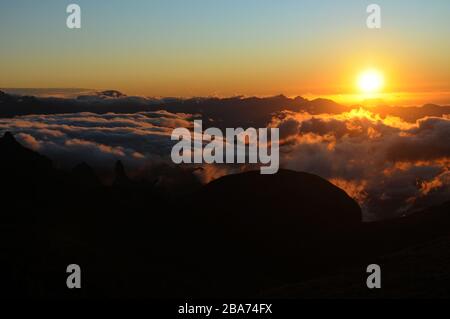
(237, 236)
(15, 155)
(25, 175)
(3, 96)
(413, 253)
(5, 99)
(218, 112)
(289, 200)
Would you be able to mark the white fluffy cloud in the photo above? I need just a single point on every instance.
(388, 165)
(97, 139)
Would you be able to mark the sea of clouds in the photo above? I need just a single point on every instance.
(388, 165)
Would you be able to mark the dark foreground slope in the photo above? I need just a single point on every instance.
(420, 269)
(242, 235)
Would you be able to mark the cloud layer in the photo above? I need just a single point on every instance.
(390, 166)
(99, 140)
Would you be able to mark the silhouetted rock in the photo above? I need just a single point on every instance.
(17, 157)
(286, 200)
(282, 214)
(8, 138)
(121, 177)
(84, 176)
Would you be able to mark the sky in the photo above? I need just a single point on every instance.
(228, 47)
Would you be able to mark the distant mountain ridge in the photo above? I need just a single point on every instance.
(218, 112)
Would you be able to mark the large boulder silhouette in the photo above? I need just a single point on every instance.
(287, 198)
(280, 213)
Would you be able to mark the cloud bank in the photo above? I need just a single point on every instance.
(99, 139)
(390, 166)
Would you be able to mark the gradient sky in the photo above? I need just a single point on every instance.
(226, 47)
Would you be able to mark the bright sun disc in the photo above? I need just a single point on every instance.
(370, 81)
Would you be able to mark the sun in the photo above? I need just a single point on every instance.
(370, 81)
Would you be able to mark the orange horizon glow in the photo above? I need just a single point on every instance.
(156, 48)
